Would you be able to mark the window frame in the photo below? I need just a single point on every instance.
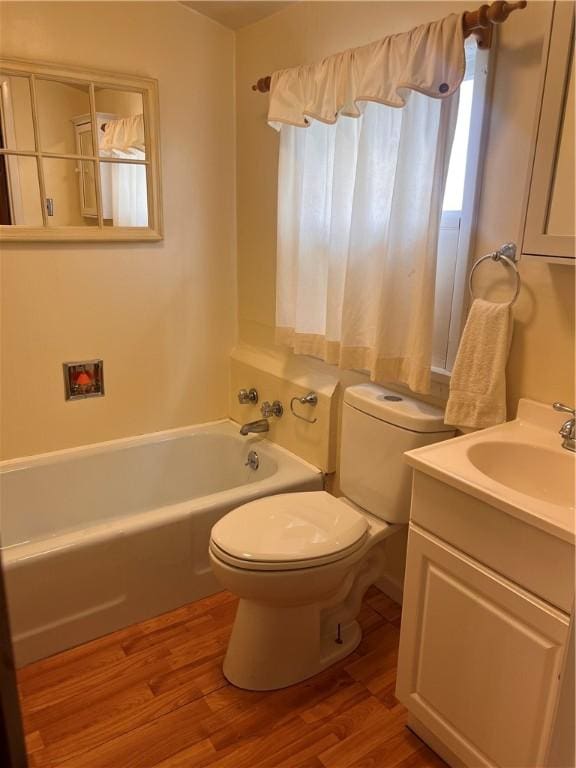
(479, 120)
(148, 88)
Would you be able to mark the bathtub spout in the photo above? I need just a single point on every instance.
(261, 425)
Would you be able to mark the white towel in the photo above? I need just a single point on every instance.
(478, 383)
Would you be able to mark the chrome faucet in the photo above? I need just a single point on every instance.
(261, 425)
(568, 429)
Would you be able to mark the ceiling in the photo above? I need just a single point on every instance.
(240, 13)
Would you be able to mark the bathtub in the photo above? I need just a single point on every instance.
(99, 537)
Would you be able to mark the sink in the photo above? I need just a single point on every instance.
(519, 467)
(531, 469)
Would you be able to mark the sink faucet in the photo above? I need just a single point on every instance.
(568, 429)
(261, 425)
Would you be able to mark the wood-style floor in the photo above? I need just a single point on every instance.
(153, 696)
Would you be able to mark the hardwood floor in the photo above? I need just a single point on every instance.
(153, 696)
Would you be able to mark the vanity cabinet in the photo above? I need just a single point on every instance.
(549, 229)
(483, 639)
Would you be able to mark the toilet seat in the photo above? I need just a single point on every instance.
(290, 531)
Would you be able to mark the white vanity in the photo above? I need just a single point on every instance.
(489, 591)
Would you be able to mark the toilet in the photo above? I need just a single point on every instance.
(300, 563)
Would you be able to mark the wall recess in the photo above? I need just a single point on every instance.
(84, 379)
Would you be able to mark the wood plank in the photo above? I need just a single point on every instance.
(196, 756)
(205, 675)
(66, 659)
(384, 606)
(61, 670)
(363, 741)
(148, 744)
(99, 680)
(75, 736)
(391, 752)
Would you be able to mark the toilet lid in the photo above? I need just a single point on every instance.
(290, 528)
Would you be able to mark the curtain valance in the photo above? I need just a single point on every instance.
(124, 134)
(429, 59)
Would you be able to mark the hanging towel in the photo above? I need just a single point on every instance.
(478, 384)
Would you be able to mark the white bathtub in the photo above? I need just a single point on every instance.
(99, 537)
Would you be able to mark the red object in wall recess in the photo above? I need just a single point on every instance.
(83, 379)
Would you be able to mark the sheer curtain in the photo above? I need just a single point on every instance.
(124, 139)
(360, 193)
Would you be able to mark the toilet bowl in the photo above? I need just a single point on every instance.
(300, 563)
(297, 608)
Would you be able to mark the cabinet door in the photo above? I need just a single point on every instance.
(479, 657)
(88, 206)
(549, 227)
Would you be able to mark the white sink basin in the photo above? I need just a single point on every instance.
(539, 472)
(519, 467)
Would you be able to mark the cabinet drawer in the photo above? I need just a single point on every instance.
(480, 658)
(528, 556)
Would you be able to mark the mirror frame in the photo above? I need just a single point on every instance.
(148, 87)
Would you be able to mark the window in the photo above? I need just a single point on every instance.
(359, 203)
(458, 211)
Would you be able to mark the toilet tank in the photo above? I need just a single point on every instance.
(378, 426)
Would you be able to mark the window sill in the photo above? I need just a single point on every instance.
(441, 375)
(440, 384)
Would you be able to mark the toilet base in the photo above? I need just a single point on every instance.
(274, 647)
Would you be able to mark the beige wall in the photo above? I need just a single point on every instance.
(542, 356)
(162, 316)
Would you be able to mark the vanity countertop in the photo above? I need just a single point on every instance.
(518, 467)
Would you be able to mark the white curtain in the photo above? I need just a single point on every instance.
(359, 207)
(129, 191)
(124, 139)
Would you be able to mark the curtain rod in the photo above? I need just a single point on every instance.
(478, 23)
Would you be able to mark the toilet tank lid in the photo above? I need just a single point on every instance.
(397, 409)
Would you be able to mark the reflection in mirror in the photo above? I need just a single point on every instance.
(125, 112)
(16, 127)
(70, 192)
(19, 191)
(128, 194)
(124, 191)
(58, 105)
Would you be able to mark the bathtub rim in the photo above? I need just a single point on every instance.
(91, 449)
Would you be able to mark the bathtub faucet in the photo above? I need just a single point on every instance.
(261, 425)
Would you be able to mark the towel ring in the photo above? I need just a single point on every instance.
(505, 254)
(310, 399)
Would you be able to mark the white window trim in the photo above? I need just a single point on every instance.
(479, 120)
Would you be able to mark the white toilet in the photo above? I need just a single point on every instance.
(301, 562)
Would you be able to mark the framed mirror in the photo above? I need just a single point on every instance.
(79, 155)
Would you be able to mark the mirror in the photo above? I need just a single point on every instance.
(78, 155)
